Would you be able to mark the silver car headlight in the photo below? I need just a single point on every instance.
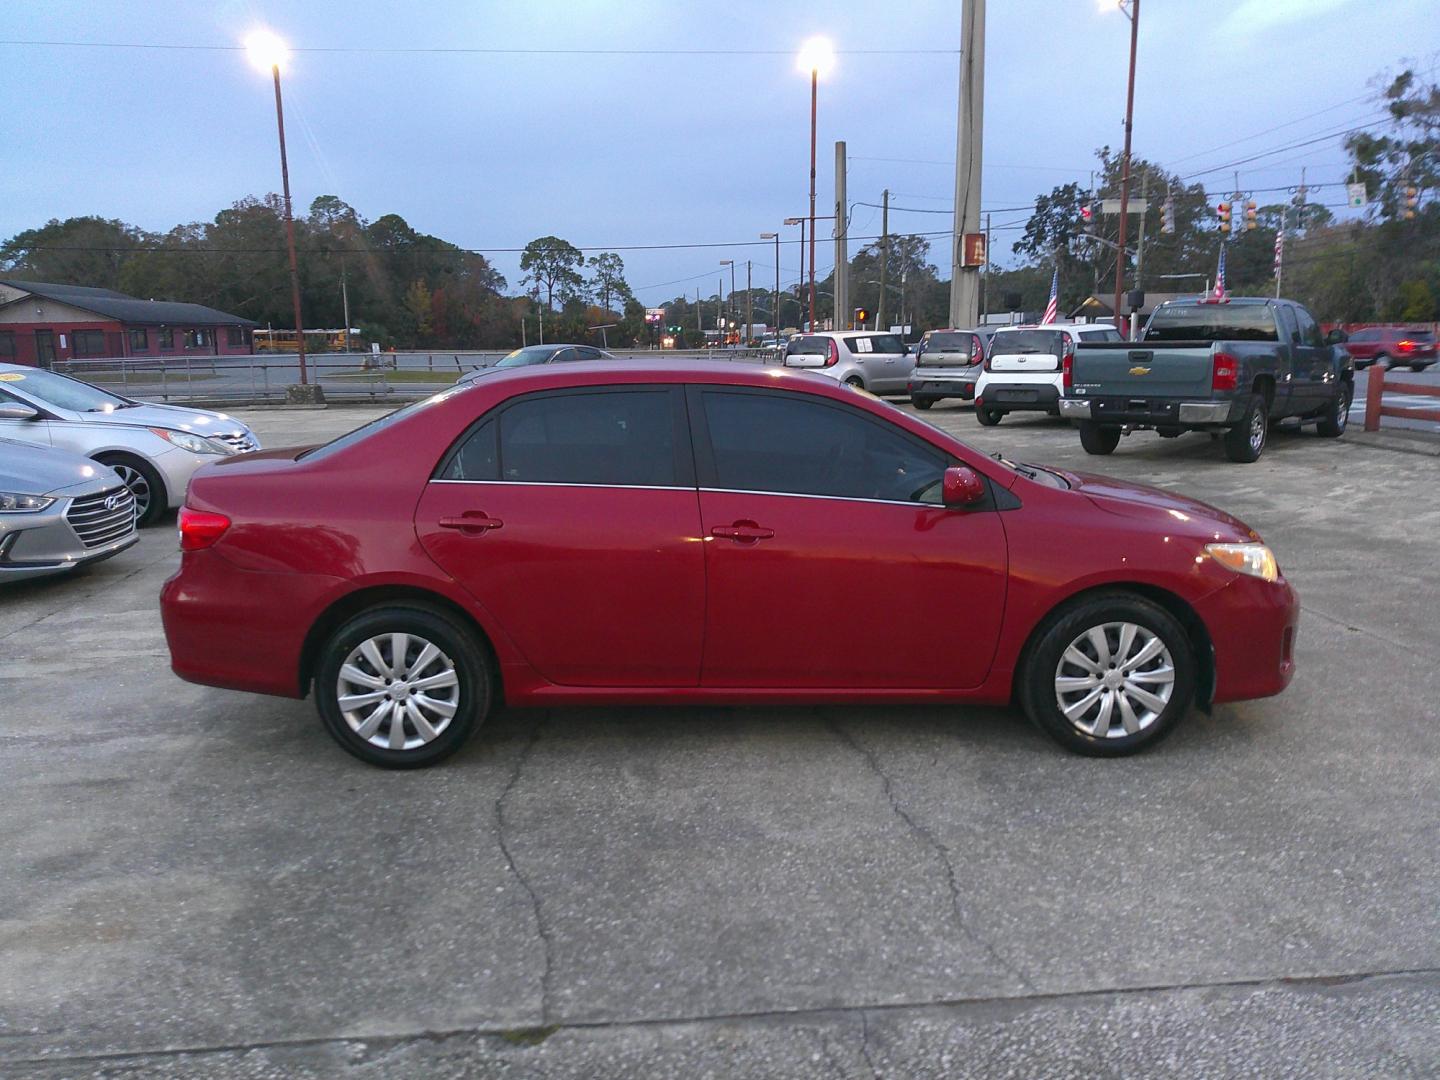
(196, 444)
(15, 503)
(1256, 560)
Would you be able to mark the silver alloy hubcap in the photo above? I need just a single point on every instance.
(398, 691)
(1342, 414)
(1257, 429)
(1114, 680)
(138, 485)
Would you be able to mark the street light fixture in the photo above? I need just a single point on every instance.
(816, 55)
(267, 50)
(776, 237)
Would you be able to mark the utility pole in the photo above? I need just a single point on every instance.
(969, 132)
(749, 309)
(345, 301)
(985, 276)
(1134, 14)
(884, 256)
(719, 309)
(843, 312)
(814, 81)
(699, 317)
(1140, 250)
(778, 323)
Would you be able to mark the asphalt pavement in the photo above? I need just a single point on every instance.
(198, 883)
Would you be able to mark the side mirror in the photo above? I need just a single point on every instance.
(962, 486)
(1336, 337)
(804, 360)
(16, 411)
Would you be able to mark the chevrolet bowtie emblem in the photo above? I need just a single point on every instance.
(1139, 371)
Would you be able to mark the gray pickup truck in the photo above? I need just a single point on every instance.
(1223, 366)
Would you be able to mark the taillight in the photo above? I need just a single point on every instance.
(832, 356)
(1225, 372)
(199, 529)
(977, 351)
(1405, 345)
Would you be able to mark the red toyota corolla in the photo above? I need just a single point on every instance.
(706, 533)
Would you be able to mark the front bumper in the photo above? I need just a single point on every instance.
(1252, 626)
(65, 536)
(1149, 411)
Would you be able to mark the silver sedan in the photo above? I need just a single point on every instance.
(59, 511)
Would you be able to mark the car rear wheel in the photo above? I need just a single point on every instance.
(1109, 676)
(1417, 368)
(855, 381)
(922, 403)
(1097, 438)
(1337, 413)
(988, 417)
(1383, 359)
(402, 687)
(144, 483)
(1245, 442)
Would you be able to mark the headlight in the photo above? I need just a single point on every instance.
(1257, 560)
(196, 444)
(22, 504)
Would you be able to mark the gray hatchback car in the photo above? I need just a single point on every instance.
(59, 511)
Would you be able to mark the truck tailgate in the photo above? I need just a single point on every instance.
(1159, 369)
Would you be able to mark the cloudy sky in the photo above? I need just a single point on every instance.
(656, 146)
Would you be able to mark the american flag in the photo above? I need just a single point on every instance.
(1052, 308)
(1279, 250)
(1220, 276)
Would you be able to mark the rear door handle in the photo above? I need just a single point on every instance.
(742, 532)
(471, 523)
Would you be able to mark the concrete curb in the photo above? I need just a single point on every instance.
(1401, 442)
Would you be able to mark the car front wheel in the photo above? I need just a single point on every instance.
(1111, 675)
(402, 687)
(144, 483)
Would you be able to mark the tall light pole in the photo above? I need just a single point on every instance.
(815, 55)
(1132, 12)
(801, 222)
(731, 305)
(267, 50)
(776, 237)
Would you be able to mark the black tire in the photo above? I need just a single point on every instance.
(855, 381)
(1383, 359)
(473, 688)
(988, 417)
(1099, 438)
(1040, 677)
(1169, 432)
(1336, 415)
(1418, 368)
(1245, 442)
(151, 498)
(922, 403)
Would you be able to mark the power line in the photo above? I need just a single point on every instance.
(463, 50)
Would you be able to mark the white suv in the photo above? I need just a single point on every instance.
(1025, 369)
(872, 360)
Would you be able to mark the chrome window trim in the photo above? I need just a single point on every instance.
(705, 490)
(566, 484)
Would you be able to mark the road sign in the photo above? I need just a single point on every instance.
(1356, 195)
(973, 251)
(654, 314)
(1112, 206)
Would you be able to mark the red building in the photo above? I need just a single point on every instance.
(42, 323)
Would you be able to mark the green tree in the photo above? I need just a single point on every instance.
(553, 265)
(77, 251)
(419, 306)
(607, 280)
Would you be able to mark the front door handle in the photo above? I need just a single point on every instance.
(471, 523)
(742, 532)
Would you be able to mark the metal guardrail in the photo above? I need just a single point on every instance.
(344, 377)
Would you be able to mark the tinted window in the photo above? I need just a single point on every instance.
(1309, 328)
(618, 437)
(1050, 342)
(784, 443)
(1211, 322)
(809, 346)
(1289, 327)
(1100, 335)
(948, 343)
(886, 343)
(477, 458)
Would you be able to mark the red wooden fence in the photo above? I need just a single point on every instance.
(1375, 407)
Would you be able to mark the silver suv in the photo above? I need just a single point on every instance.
(868, 359)
(947, 365)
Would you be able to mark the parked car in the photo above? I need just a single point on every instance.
(1022, 372)
(58, 511)
(1391, 347)
(1229, 367)
(536, 537)
(153, 447)
(531, 355)
(872, 360)
(947, 365)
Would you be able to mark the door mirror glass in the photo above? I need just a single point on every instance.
(962, 486)
(1336, 337)
(17, 411)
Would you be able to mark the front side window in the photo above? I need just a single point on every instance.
(623, 438)
(1309, 328)
(89, 342)
(61, 392)
(783, 443)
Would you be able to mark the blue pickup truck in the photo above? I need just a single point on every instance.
(1223, 366)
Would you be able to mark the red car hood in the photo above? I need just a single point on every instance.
(1141, 500)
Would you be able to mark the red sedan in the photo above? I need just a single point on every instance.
(682, 533)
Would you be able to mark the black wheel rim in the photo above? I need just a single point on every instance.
(139, 487)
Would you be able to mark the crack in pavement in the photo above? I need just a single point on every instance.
(540, 927)
(381, 1043)
(957, 905)
(865, 1044)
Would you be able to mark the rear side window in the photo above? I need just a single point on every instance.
(1100, 335)
(1212, 322)
(1028, 341)
(622, 438)
(785, 444)
(886, 343)
(478, 457)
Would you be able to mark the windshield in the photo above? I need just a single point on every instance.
(948, 343)
(64, 393)
(380, 424)
(1027, 341)
(1211, 322)
(534, 354)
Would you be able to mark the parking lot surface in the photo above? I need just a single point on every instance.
(199, 883)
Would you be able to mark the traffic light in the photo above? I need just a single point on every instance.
(1250, 221)
(1087, 217)
(1167, 215)
(862, 316)
(1223, 213)
(1412, 200)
